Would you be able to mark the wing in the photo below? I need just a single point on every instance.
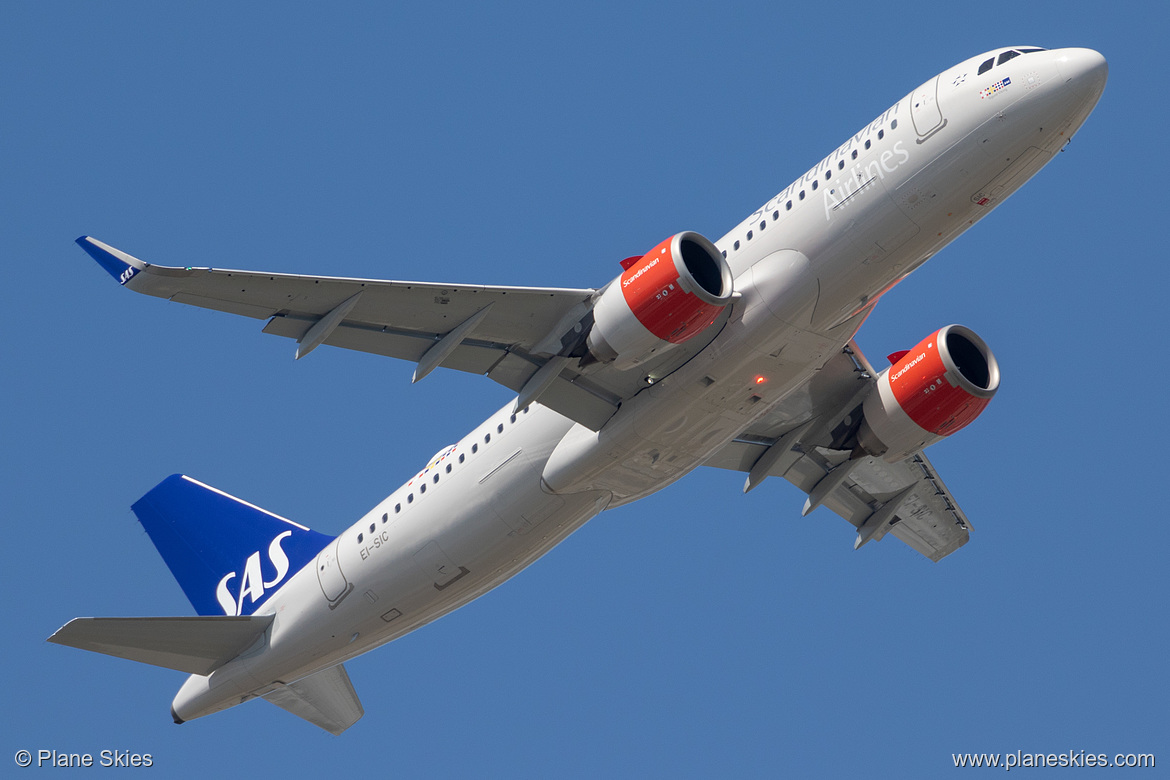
(485, 330)
(796, 441)
(513, 335)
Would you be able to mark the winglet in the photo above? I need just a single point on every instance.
(117, 263)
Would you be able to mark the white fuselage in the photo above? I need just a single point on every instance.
(808, 266)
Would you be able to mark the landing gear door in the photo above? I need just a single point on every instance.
(925, 111)
(329, 574)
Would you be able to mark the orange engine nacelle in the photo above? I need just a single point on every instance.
(671, 294)
(928, 393)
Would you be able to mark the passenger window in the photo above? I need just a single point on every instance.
(854, 155)
(371, 527)
(736, 245)
(448, 468)
(749, 235)
(868, 144)
(828, 175)
(360, 537)
(385, 517)
(422, 488)
(1007, 55)
(894, 125)
(815, 183)
(474, 448)
(513, 418)
(410, 498)
(397, 508)
(788, 206)
(881, 134)
(487, 437)
(763, 224)
(986, 66)
(461, 457)
(841, 164)
(776, 215)
(436, 479)
(801, 196)
(500, 428)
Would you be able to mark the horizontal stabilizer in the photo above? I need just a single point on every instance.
(326, 699)
(196, 645)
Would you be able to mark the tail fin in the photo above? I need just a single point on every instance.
(228, 555)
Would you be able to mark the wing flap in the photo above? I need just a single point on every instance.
(231, 307)
(196, 645)
(936, 527)
(584, 405)
(929, 520)
(325, 699)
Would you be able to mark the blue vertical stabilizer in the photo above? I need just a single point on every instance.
(228, 555)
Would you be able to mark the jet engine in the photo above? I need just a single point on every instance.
(671, 294)
(928, 393)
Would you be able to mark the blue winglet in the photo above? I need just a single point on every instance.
(228, 555)
(113, 260)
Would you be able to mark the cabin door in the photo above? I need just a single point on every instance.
(925, 111)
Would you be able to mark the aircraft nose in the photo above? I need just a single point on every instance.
(1084, 70)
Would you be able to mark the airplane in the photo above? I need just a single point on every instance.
(735, 354)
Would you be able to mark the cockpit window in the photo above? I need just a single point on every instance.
(1007, 55)
(986, 66)
(1028, 51)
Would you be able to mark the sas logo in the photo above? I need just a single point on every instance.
(252, 585)
(127, 275)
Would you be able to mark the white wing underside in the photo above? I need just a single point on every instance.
(509, 342)
(907, 499)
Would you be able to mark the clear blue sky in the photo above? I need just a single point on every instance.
(698, 633)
